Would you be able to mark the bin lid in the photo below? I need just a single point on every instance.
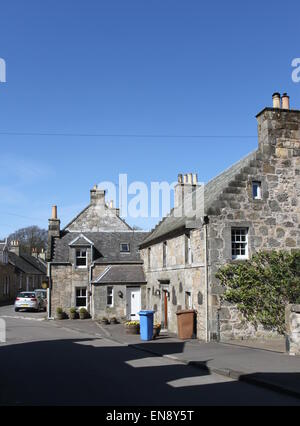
(186, 311)
(144, 313)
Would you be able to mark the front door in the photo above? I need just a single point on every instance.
(133, 303)
(165, 309)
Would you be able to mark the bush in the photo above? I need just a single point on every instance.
(261, 287)
(72, 310)
(59, 311)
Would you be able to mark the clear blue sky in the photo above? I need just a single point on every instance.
(160, 67)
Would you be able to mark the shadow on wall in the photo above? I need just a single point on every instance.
(81, 372)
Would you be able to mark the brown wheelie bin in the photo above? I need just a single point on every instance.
(186, 321)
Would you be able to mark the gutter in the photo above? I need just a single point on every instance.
(49, 317)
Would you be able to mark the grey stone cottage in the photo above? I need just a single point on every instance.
(18, 271)
(251, 206)
(94, 262)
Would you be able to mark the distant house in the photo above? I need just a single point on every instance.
(254, 205)
(18, 271)
(94, 262)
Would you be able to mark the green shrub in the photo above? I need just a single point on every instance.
(59, 311)
(72, 310)
(262, 286)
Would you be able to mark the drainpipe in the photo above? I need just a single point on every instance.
(91, 290)
(206, 281)
(49, 291)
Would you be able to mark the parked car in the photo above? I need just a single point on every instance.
(42, 294)
(28, 300)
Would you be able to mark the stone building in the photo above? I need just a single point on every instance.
(94, 262)
(18, 271)
(254, 205)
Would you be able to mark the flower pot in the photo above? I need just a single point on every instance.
(73, 315)
(132, 329)
(60, 316)
(104, 321)
(114, 321)
(156, 332)
(82, 316)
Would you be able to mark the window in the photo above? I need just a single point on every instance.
(239, 241)
(125, 248)
(149, 258)
(6, 286)
(165, 250)
(188, 250)
(81, 297)
(256, 190)
(81, 258)
(188, 300)
(110, 296)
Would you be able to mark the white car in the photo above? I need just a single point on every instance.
(28, 300)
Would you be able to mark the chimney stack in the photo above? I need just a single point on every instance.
(185, 186)
(285, 101)
(53, 231)
(98, 196)
(276, 100)
(15, 247)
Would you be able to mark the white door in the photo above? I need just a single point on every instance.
(133, 303)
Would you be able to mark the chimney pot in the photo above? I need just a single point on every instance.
(195, 179)
(190, 178)
(185, 178)
(285, 101)
(276, 100)
(54, 212)
(180, 178)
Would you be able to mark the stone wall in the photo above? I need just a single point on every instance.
(178, 278)
(292, 319)
(7, 272)
(272, 222)
(119, 309)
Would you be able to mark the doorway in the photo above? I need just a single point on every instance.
(133, 297)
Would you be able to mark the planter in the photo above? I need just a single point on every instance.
(104, 321)
(114, 321)
(83, 314)
(73, 315)
(156, 332)
(60, 316)
(132, 329)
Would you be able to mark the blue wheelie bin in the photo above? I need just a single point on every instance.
(146, 323)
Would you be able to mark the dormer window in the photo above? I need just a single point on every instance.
(256, 190)
(81, 258)
(125, 248)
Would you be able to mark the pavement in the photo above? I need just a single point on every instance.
(83, 363)
(263, 367)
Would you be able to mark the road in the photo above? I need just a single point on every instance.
(47, 363)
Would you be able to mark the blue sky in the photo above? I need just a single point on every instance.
(156, 67)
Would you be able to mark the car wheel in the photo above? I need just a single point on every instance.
(16, 309)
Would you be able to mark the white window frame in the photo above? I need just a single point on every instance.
(81, 250)
(257, 183)
(81, 297)
(238, 240)
(110, 295)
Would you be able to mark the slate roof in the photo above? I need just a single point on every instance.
(106, 246)
(212, 191)
(27, 264)
(125, 274)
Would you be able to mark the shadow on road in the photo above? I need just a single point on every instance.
(96, 372)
